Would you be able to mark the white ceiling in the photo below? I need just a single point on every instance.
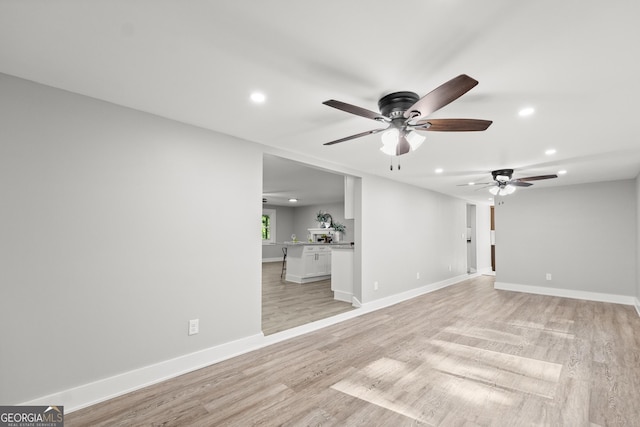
(284, 179)
(198, 61)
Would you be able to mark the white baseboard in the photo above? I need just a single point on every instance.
(566, 293)
(117, 385)
(302, 280)
(356, 302)
(277, 259)
(342, 296)
(485, 270)
(637, 306)
(99, 391)
(407, 295)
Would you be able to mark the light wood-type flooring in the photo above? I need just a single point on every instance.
(287, 304)
(466, 355)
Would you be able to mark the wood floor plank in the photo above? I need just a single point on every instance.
(466, 355)
(286, 304)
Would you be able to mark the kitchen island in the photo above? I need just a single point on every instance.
(309, 262)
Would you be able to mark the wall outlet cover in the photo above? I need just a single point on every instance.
(194, 326)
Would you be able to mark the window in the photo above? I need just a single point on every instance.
(268, 226)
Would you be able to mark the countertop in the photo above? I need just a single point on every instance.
(333, 245)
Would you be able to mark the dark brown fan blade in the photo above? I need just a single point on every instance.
(441, 96)
(358, 111)
(347, 138)
(519, 183)
(537, 178)
(403, 146)
(453, 125)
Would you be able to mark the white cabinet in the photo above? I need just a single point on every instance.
(317, 261)
(308, 263)
(323, 260)
(342, 274)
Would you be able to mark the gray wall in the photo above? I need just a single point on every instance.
(297, 220)
(407, 230)
(356, 237)
(637, 182)
(584, 235)
(305, 218)
(483, 236)
(284, 229)
(472, 258)
(115, 232)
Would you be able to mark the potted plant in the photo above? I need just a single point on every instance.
(338, 230)
(324, 218)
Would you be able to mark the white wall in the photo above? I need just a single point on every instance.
(483, 237)
(584, 235)
(407, 230)
(116, 228)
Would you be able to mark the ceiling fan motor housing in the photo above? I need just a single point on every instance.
(395, 104)
(508, 173)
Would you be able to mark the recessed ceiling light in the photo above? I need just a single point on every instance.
(562, 172)
(258, 97)
(293, 200)
(472, 183)
(550, 151)
(439, 170)
(526, 111)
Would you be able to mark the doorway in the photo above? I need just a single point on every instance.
(286, 304)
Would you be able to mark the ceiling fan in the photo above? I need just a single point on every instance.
(405, 113)
(504, 184)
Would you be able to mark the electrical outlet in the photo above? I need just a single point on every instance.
(194, 326)
(548, 276)
(375, 286)
(449, 267)
(418, 275)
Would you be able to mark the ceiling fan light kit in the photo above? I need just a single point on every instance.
(391, 138)
(405, 113)
(502, 191)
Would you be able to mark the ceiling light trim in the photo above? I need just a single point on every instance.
(526, 111)
(258, 97)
